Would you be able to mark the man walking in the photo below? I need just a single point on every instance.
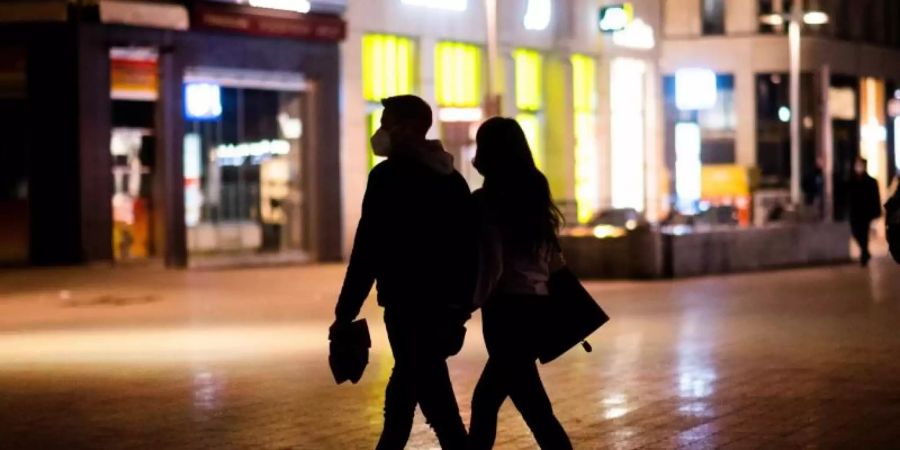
(414, 238)
(865, 206)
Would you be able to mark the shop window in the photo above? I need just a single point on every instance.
(134, 87)
(699, 141)
(243, 170)
(389, 69)
(773, 116)
(530, 99)
(713, 12)
(718, 124)
(458, 74)
(389, 66)
(373, 122)
(587, 164)
(458, 83)
(627, 79)
(873, 127)
(529, 65)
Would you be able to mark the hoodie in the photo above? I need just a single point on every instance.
(415, 237)
(431, 153)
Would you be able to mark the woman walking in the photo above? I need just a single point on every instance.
(520, 245)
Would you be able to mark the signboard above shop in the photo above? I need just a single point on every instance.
(268, 21)
(301, 6)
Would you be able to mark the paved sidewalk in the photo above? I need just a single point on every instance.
(144, 358)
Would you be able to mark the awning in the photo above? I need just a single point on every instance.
(152, 15)
(135, 13)
(238, 18)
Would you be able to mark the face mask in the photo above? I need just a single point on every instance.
(381, 142)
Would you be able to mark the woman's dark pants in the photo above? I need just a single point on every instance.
(511, 371)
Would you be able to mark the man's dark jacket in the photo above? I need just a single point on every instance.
(415, 239)
(865, 200)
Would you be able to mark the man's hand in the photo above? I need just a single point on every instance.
(336, 326)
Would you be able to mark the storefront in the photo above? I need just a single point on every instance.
(845, 65)
(701, 123)
(202, 135)
(555, 72)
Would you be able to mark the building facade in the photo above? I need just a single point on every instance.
(191, 132)
(849, 68)
(586, 99)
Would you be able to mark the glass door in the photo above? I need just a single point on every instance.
(134, 90)
(242, 167)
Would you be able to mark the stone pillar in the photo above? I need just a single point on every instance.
(170, 235)
(745, 106)
(94, 119)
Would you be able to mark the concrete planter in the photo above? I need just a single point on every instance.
(648, 254)
(637, 255)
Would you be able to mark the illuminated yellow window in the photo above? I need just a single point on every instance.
(584, 74)
(531, 125)
(529, 83)
(388, 66)
(529, 99)
(458, 74)
(388, 69)
(372, 124)
(587, 174)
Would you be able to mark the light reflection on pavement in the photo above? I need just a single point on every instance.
(149, 359)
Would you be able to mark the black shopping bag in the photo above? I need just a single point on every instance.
(348, 353)
(568, 318)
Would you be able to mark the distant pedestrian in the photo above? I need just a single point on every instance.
(814, 189)
(520, 250)
(865, 206)
(412, 239)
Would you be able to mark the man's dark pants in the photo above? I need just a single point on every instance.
(420, 376)
(860, 230)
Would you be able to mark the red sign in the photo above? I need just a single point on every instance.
(132, 79)
(266, 22)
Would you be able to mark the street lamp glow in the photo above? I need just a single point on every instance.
(815, 18)
(772, 19)
(784, 114)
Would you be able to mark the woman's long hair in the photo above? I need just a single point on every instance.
(517, 192)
